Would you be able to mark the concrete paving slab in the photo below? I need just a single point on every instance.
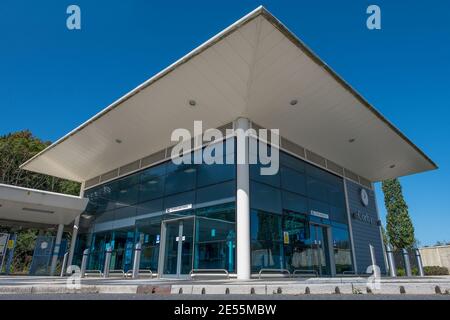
(16, 289)
(313, 286)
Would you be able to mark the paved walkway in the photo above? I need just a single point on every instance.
(299, 286)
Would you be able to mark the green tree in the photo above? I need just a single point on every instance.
(384, 235)
(399, 227)
(18, 147)
(15, 149)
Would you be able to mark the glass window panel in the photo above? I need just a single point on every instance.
(179, 200)
(98, 247)
(124, 212)
(265, 226)
(255, 174)
(292, 180)
(266, 254)
(319, 206)
(97, 203)
(179, 178)
(152, 172)
(321, 174)
(342, 250)
(150, 206)
(294, 202)
(151, 188)
(292, 162)
(103, 198)
(216, 192)
(336, 195)
(215, 255)
(105, 216)
(338, 214)
(127, 194)
(148, 233)
(214, 230)
(214, 173)
(265, 198)
(123, 243)
(225, 211)
(317, 189)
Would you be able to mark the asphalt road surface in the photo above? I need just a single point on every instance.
(80, 296)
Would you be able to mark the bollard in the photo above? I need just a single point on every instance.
(107, 262)
(407, 264)
(84, 262)
(374, 261)
(64, 263)
(419, 263)
(137, 260)
(391, 261)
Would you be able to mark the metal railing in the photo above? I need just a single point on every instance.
(142, 272)
(116, 273)
(209, 273)
(349, 272)
(279, 272)
(64, 265)
(304, 272)
(92, 272)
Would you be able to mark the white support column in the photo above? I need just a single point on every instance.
(243, 204)
(73, 240)
(56, 249)
(383, 245)
(76, 225)
(350, 229)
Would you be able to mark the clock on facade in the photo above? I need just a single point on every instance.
(364, 197)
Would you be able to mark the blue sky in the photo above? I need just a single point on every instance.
(53, 79)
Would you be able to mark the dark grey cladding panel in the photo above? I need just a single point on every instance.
(364, 227)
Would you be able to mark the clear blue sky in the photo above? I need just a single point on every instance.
(53, 79)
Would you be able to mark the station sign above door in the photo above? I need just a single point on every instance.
(320, 214)
(179, 208)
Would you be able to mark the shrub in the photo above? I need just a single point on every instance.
(401, 272)
(435, 271)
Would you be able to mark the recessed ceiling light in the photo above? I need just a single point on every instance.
(351, 140)
(38, 210)
(392, 166)
(118, 141)
(192, 103)
(293, 102)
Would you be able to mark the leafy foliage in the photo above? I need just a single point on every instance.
(399, 227)
(435, 271)
(15, 149)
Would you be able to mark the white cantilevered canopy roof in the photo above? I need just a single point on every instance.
(37, 206)
(252, 69)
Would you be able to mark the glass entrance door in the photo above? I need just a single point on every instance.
(319, 248)
(178, 247)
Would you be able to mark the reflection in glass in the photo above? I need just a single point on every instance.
(148, 234)
(342, 250)
(215, 244)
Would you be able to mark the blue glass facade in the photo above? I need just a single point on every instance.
(141, 201)
(286, 232)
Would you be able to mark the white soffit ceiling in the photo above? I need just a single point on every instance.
(254, 68)
(30, 205)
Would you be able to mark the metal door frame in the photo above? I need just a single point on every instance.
(162, 248)
(326, 231)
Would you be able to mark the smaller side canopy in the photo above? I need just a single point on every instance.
(37, 206)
